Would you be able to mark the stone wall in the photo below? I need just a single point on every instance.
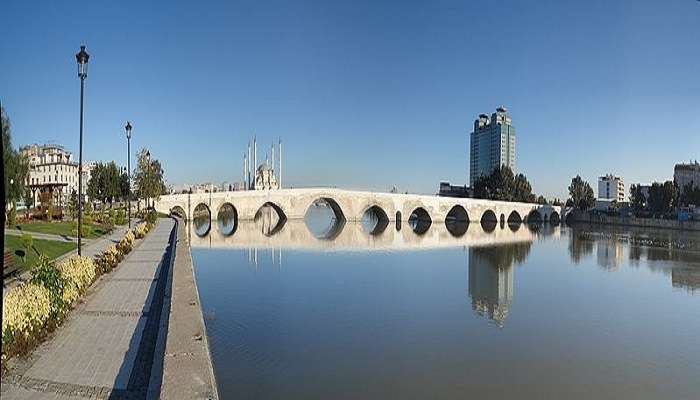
(633, 221)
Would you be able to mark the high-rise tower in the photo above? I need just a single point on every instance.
(491, 144)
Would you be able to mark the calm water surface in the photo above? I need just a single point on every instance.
(307, 311)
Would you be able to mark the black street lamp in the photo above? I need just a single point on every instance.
(128, 168)
(82, 59)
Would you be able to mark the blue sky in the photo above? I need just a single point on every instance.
(364, 94)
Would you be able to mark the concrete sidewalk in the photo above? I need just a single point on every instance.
(43, 236)
(107, 346)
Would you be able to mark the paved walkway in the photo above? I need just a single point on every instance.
(44, 236)
(107, 346)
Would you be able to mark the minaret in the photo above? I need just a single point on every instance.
(255, 160)
(247, 183)
(245, 171)
(273, 158)
(279, 145)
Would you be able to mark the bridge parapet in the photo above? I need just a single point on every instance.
(351, 205)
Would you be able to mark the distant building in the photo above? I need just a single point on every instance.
(265, 178)
(53, 175)
(685, 174)
(447, 190)
(491, 144)
(611, 188)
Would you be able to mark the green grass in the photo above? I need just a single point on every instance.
(49, 248)
(60, 228)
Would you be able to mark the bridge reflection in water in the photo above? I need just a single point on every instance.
(491, 249)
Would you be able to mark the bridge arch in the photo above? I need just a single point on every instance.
(201, 219)
(179, 211)
(534, 217)
(334, 206)
(457, 221)
(489, 216)
(554, 218)
(227, 219)
(271, 218)
(514, 217)
(376, 219)
(420, 220)
(489, 221)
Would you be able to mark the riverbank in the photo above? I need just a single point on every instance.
(588, 218)
(106, 348)
(187, 369)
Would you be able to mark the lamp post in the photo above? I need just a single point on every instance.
(82, 59)
(148, 172)
(128, 169)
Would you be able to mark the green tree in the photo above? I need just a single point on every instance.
(662, 197)
(501, 184)
(105, 183)
(73, 205)
(148, 177)
(16, 166)
(581, 193)
(638, 201)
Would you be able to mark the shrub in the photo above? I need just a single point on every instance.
(78, 273)
(120, 218)
(141, 230)
(12, 217)
(27, 244)
(25, 311)
(47, 275)
(151, 217)
(108, 259)
(127, 243)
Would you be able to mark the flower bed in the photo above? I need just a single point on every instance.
(34, 308)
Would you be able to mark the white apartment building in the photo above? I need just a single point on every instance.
(611, 188)
(52, 172)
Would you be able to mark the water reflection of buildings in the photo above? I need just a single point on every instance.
(686, 278)
(609, 253)
(491, 279)
(490, 288)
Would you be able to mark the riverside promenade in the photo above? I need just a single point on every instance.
(112, 345)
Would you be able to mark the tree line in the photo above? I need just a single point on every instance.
(107, 183)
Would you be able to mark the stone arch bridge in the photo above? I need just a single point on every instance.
(351, 206)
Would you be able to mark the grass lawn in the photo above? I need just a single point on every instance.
(60, 228)
(49, 248)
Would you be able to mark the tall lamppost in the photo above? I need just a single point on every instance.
(82, 59)
(148, 171)
(128, 169)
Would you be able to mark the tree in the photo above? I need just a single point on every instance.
(557, 202)
(662, 197)
(638, 201)
(500, 184)
(106, 183)
(581, 193)
(148, 176)
(73, 205)
(124, 186)
(541, 200)
(15, 163)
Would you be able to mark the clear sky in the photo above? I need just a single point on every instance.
(364, 94)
